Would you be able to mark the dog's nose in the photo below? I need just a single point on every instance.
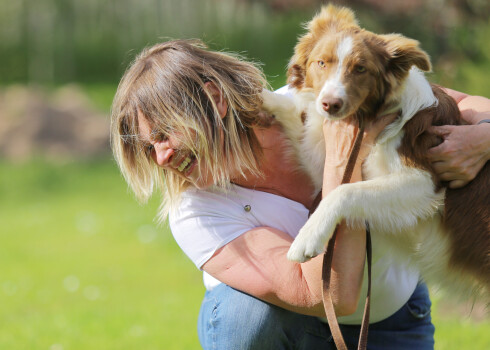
(332, 105)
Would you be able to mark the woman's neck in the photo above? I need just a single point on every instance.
(283, 175)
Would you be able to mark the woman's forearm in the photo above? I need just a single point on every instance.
(350, 245)
(473, 108)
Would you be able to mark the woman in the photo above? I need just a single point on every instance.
(187, 120)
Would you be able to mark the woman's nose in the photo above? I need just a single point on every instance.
(163, 153)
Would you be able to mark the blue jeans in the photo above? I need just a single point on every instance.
(233, 320)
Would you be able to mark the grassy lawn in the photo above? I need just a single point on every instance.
(83, 266)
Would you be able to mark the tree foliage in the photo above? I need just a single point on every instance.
(92, 41)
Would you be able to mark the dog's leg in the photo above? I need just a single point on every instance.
(389, 203)
(286, 113)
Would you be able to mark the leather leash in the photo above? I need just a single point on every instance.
(327, 263)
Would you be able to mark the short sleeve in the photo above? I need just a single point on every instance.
(205, 222)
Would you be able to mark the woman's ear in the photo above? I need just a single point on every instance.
(218, 98)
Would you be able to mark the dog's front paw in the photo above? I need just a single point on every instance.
(312, 237)
(309, 243)
(305, 247)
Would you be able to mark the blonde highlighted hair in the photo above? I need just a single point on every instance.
(166, 84)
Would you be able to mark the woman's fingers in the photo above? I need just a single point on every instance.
(382, 122)
(457, 183)
(385, 120)
(437, 153)
(442, 151)
(447, 171)
(375, 128)
(442, 130)
(450, 176)
(441, 167)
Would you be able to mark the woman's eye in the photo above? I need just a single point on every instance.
(158, 136)
(149, 150)
(321, 64)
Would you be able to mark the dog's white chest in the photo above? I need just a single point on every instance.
(383, 159)
(313, 149)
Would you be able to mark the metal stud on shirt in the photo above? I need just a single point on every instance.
(247, 208)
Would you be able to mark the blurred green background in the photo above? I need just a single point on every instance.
(82, 265)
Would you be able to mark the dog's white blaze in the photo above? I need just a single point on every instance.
(334, 87)
(344, 49)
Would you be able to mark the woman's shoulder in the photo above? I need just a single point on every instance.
(205, 220)
(212, 200)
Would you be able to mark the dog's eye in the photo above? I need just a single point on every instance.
(321, 64)
(360, 69)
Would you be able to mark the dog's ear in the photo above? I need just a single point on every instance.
(297, 64)
(296, 76)
(403, 54)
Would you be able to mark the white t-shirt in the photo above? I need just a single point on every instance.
(206, 220)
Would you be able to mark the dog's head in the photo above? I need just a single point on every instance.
(349, 69)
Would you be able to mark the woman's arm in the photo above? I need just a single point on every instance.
(350, 248)
(473, 108)
(466, 148)
(256, 262)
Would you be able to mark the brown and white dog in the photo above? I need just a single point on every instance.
(339, 70)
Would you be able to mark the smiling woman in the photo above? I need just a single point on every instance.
(169, 154)
(152, 111)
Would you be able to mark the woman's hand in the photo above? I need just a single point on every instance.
(466, 148)
(340, 136)
(462, 154)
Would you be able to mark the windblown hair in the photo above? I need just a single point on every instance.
(166, 84)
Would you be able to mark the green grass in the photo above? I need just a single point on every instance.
(83, 266)
(459, 327)
(101, 95)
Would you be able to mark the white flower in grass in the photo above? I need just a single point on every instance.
(71, 283)
(9, 288)
(147, 234)
(137, 330)
(86, 223)
(91, 293)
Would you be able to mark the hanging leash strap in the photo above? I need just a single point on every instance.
(327, 264)
(363, 337)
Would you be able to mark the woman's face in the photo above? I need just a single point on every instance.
(167, 153)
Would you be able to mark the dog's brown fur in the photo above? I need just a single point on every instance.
(467, 209)
(467, 221)
(418, 139)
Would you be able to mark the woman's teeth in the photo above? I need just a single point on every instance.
(184, 164)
